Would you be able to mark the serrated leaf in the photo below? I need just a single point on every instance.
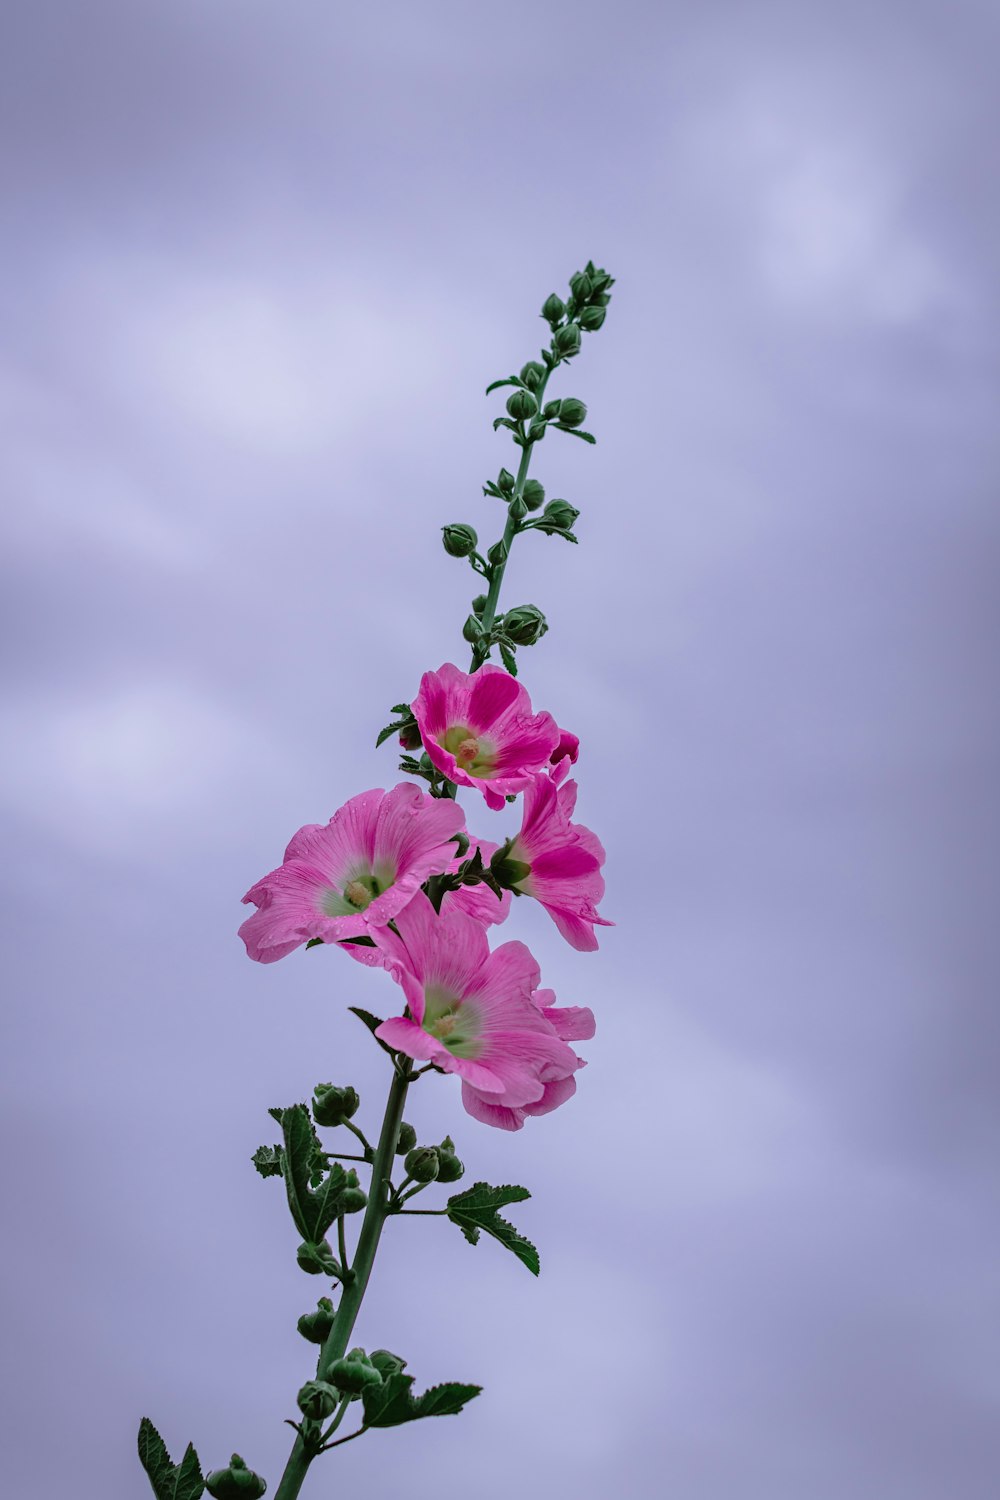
(314, 943)
(475, 1210)
(156, 1461)
(391, 729)
(189, 1483)
(326, 1199)
(392, 1403)
(588, 437)
(401, 708)
(511, 380)
(302, 1161)
(507, 657)
(504, 422)
(267, 1160)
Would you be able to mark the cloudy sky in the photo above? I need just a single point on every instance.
(260, 263)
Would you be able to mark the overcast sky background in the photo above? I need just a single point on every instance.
(260, 262)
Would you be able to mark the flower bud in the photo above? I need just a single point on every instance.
(316, 1325)
(552, 309)
(533, 494)
(567, 340)
(352, 1374)
(450, 1168)
(316, 1259)
(235, 1483)
(332, 1106)
(407, 1139)
(505, 481)
(410, 739)
(387, 1363)
(551, 410)
(479, 604)
(560, 515)
(571, 411)
(352, 1200)
(421, 1163)
(518, 510)
(525, 624)
(532, 374)
(459, 540)
(318, 1399)
(521, 404)
(472, 629)
(592, 317)
(497, 555)
(536, 430)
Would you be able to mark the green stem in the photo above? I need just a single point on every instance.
(481, 651)
(352, 1296)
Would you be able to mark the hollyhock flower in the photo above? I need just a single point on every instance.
(563, 862)
(472, 1011)
(479, 730)
(573, 1023)
(353, 874)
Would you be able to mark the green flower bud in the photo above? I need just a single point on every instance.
(560, 515)
(552, 410)
(409, 738)
(479, 604)
(533, 494)
(459, 540)
(316, 1325)
(421, 1163)
(571, 411)
(521, 405)
(505, 481)
(525, 624)
(567, 340)
(592, 317)
(318, 1399)
(407, 1139)
(497, 555)
(352, 1200)
(387, 1363)
(532, 374)
(472, 629)
(316, 1259)
(352, 1374)
(451, 1169)
(536, 430)
(518, 510)
(332, 1106)
(581, 286)
(235, 1483)
(552, 309)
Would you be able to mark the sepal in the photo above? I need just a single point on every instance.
(235, 1483)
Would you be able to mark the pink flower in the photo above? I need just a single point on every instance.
(573, 1023)
(353, 874)
(564, 862)
(564, 755)
(472, 1012)
(479, 730)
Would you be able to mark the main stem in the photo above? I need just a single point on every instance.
(353, 1293)
(489, 614)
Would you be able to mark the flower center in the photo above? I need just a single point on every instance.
(455, 1025)
(358, 894)
(472, 753)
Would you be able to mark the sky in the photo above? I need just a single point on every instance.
(260, 263)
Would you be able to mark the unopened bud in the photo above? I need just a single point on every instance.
(518, 510)
(591, 318)
(316, 1325)
(451, 1169)
(533, 494)
(316, 1259)
(521, 405)
(533, 374)
(409, 738)
(552, 309)
(352, 1374)
(505, 481)
(571, 411)
(459, 540)
(525, 624)
(387, 1363)
(581, 286)
(472, 629)
(536, 430)
(235, 1483)
(318, 1399)
(497, 555)
(407, 1138)
(567, 340)
(422, 1163)
(332, 1106)
(479, 603)
(560, 515)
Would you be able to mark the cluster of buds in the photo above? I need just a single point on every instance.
(427, 1164)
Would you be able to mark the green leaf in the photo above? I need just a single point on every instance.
(297, 1127)
(391, 729)
(392, 1403)
(507, 657)
(267, 1160)
(326, 1199)
(476, 1210)
(314, 943)
(504, 422)
(156, 1460)
(588, 437)
(188, 1480)
(402, 708)
(511, 380)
